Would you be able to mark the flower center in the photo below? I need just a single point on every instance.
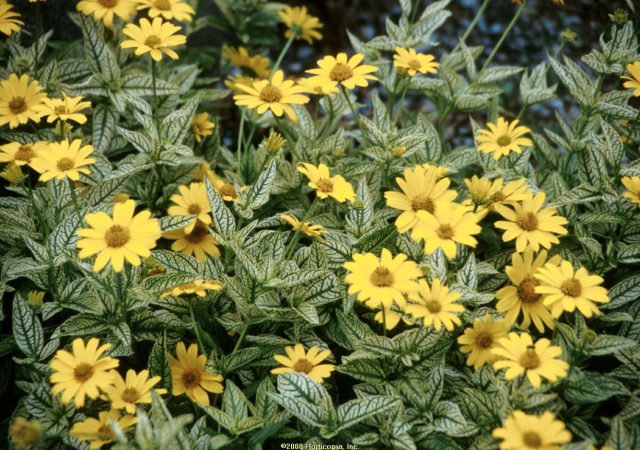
(433, 306)
(571, 287)
(381, 277)
(130, 395)
(325, 185)
(104, 433)
(194, 209)
(423, 202)
(17, 105)
(503, 140)
(116, 236)
(191, 378)
(24, 153)
(152, 41)
(530, 359)
(532, 439)
(270, 94)
(227, 190)
(484, 340)
(527, 221)
(65, 164)
(82, 372)
(303, 365)
(163, 5)
(414, 64)
(445, 231)
(527, 290)
(108, 3)
(340, 72)
(498, 197)
(60, 109)
(198, 234)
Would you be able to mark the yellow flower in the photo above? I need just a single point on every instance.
(63, 160)
(274, 143)
(155, 37)
(168, 9)
(105, 10)
(503, 138)
(234, 81)
(529, 223)
(197, 287)
(486, 194)
(276, 95)
(188, 375)
(452, 224)
(391, 317)
(633, 82)
(19, 100)
(318, 85)
(98, 431)
(522, 296)
(67, 108)
(135, 389)
(297, 360)
(191, 201)
(226, 190)
(9, 20)
(35, 298)
(21, 154)
(422, 189)
(347, 72)
(24, 433)
(522, 431)
(123, 236)
(325, 185)
(305, 228)
(201, 126)
(481, 339)
(409, 62)
(300, 23)
(518, 354)
(565, 289)
(241, 58)
(81, 373)
(11, 173)
(381, 282)
(435, 305)
(633, 189)
(198, 242)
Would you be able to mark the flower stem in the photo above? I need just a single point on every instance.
(296, 235)
(384, 321)
(154, 75)
(472, 25)
(243, 333)
(353, 110)
(196, 329)
(74, 198)
(284, 51)
(503, 37)
(240, 138)
(400, 103)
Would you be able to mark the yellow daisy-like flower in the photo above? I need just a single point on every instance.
(297, 360)
(518, 354)
(565, 289)
(306, 228)
(503, 138)
(123, 236)
(106, 10)
(435, 305)
(234, 82)
(346, 71)
(9, 20)
(300, 23)
(11, 173)
(485, 194)
(633, 189)
(98, 431)
(319, 85)
(522, 431)
(197, 287)
(452, 224)
(241, 58)
(391, 317)
(81, 373)
(21, 154)
(422, 189)
(325, 185)
(481, 339)
(409, 62)
(155, 38)
(167, 9)
(441, 171)
(135, 389)
(201, 126)
(274, 143)
(192, 200)
(198, 242)
(188, 375)
(63, 160)
(531, 224)
(633, 82)
(384, 281)
(276, 95)
(19, 100)
(521, 296)
(35, 298)
(24, 433)
(64, 109)
(226, 190)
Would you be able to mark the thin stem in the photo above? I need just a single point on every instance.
(472, 25)
(503, 37)
(284, 51)
(296, 235)
(384, 321)
(243, 333)
(121, 298)
(353, 110)
(196, 328)
(240, 137)
(42, 221)
(400, 103)
(74, 199)
(154, 75)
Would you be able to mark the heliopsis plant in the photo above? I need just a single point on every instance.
(20, 100)
(156, 38)
(503, 137)
(190, 377)
(307, 362)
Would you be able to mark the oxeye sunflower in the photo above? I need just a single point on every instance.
(326, 185)
(390, 317)
(11, 173)
(297, 360)
(198, 242)
(633, 189)
(276, 95)
(9, 20)
(99, 431)
(300, 23)
(19, 100)
(234, 82)
(106, 10)
(407, 61)
(345, 71)
(21, 154)
(196, 287)
(306, 228)
(156, 38)
(191, 200)
(531, 224)
(24, 433)
(167, 9)
(633, 81)
(127, 393)
(64, 109)
(201, 126)
(523, 431)
(189, 376)
(503, 138)
(63, 160)
(481, 338)
(485, 194)
(226, 190)
(318, 86)
(241, 58)
(435, 305)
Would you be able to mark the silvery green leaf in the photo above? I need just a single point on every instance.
(27, 330)
(356, 411)
(222, 216)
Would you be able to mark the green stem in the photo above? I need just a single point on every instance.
(284, 51)
(472, 25)
(196, 328)
(243, 333)
(400, 103)
(353, 110)
(74, 198)
(296, 235)
(240, 138)
(41, 220)
(384, 321)
(154, 75)
(503, 37)
(121, 298)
